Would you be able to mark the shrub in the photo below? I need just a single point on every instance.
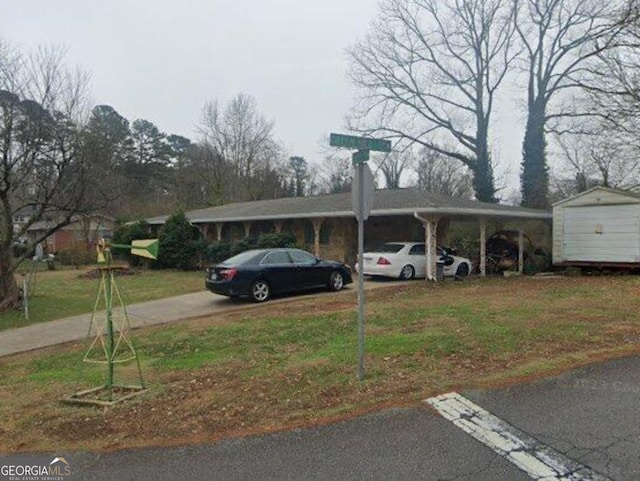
(217, 252)
(76, 257)
(181, 244)
(125, 234)
(283, 239)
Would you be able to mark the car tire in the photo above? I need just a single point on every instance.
(462, 270)
(336, 281)
(260, 291)
(407, 273)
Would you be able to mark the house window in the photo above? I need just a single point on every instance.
(309, 233)
(325, 234)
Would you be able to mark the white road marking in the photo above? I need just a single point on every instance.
(538, 460)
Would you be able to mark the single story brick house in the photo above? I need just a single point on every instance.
(81, 234)
(327, 225)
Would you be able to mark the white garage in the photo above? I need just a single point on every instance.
(599, 227)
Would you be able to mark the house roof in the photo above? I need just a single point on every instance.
(625, 193)
(73, 225)
(386, 202)
(25, 211)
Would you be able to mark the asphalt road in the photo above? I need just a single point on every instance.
(590, 415)
(407, 444)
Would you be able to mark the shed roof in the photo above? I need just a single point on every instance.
(624, 193)
(386, 202)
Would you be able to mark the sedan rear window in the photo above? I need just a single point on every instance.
(242, 258)
(391, 248)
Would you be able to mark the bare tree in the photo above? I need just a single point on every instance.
(438, 174)
(598, 155)
(42, 108)
(336, 174)
(203, 178)
(393, 165)
(560, 39)
(429, 72)
(244, 139)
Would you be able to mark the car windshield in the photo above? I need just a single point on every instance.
(241, 258)
(391, 248)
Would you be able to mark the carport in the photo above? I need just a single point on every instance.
(327, 226)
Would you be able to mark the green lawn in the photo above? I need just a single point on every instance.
(270, 368)
(64, 293)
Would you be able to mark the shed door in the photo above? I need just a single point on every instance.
(603, 233)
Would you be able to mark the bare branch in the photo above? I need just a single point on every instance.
(428, 73)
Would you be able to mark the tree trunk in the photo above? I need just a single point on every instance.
(9, 292)
(483, 172)
(535, 174)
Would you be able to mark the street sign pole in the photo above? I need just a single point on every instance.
(362, 199)
(360, 273)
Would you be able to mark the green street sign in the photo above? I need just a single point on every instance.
(359, 157)
(359, 143)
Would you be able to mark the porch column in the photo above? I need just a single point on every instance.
(520, 251)
(483, 246)
(219, 226)
(278, 225)
(204, 230)
(317, 225)
(247, 229)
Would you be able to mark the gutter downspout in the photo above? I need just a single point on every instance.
(428, 274)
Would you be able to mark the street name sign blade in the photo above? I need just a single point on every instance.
(359, 143)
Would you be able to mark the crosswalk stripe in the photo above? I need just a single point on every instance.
(538, 460)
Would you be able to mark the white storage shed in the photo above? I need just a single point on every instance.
(599, 227)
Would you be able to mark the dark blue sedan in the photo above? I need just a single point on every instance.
(259, 274)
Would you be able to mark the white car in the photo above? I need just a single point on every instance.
(407, 260)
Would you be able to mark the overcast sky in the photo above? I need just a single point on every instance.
(162, 60)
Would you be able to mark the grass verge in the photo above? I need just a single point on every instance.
(264, 369)
(63, 293)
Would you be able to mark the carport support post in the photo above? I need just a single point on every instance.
(432, 253)
(520, 251)
(483, 247)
